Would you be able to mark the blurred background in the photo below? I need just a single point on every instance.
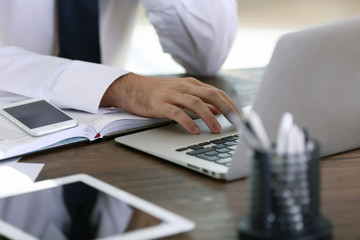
(261, 23)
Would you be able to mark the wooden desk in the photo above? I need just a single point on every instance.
(214, 205)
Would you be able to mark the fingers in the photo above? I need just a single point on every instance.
(213, 109)
(218, 98)
(202, 99)
(197, 106)
(177, 114)
(212, 96)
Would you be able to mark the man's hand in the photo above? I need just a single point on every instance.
(165, 97)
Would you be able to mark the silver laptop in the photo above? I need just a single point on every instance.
(313, 73)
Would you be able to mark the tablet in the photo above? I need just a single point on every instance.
(83, 207)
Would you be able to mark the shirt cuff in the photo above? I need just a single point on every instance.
(82, 85)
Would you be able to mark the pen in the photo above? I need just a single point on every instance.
(259, 130)
(285, 125)
(245, 130)
(249, 129)
(295, 142)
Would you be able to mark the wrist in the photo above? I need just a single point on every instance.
(118, 90)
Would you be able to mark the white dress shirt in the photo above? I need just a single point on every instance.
(197, 33)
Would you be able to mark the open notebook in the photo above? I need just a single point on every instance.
(313, 74)
(15, 142)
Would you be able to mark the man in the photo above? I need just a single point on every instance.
(197, 33)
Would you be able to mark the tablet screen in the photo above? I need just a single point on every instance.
(72, 211)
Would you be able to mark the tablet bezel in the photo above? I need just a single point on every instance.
(171, 223)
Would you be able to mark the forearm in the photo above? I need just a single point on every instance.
(66, 83)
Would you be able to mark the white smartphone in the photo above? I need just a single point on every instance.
(37, 117)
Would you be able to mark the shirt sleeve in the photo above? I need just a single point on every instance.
(66, 83)
(197, 33)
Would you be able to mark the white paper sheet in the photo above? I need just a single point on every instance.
(14, 174)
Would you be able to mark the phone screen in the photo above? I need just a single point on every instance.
(37, 114)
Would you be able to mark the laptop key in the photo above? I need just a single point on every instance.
(224, 155)
(219, 146)
(181, 149)
(232, 147)
(225, 161)
(195, 147)
(223, 150)
(212, 153)
(217, 141)
(200, 151)
(230, 143)
(204, 143)
(230, 138)
(209, 158)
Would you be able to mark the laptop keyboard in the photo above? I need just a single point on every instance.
(219, 150)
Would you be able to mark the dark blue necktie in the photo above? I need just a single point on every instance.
(78, 22)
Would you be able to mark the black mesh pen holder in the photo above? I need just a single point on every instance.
(285, 197)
